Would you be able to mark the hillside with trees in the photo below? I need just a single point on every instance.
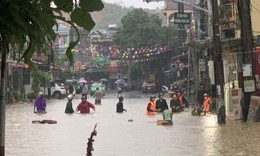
(111, 14)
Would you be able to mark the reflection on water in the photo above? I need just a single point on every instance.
(117, 137)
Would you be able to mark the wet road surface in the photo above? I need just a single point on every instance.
(116, 136)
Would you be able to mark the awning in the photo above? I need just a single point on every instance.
(95, 70)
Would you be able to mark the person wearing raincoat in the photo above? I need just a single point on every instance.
(40, 104)
(206, 103)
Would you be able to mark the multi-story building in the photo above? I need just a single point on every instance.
(228, 20)
(62, 40)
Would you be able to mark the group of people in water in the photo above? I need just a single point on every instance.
(83, 107)
(178, 103)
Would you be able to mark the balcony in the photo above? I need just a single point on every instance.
(225, 2)
(226, 14)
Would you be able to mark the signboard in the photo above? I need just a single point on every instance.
(211, 72)
(249, 85)
(236, 95)
(202, 65)
(182, 18)
(247, 70)
(253, 113)
(152, 77)
(257, 61)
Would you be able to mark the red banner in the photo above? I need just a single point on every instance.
(257, 63)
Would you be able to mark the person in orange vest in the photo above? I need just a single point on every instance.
(206, 102)
(150, 109)
(182, 99)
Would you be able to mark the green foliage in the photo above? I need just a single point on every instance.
(67, 74)
(40, 79)
(28, 24)
(141, 28)
(168, 36)
(18, 96)
(31, 95)
(135, 72)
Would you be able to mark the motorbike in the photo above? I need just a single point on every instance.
(164, 89)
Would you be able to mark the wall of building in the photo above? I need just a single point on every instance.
(255, 14)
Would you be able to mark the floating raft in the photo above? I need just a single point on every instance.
(164, 122)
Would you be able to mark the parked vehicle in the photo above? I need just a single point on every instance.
(96, 85)
(57, 91)
(75, 85)
(164, 89)
(149, 87)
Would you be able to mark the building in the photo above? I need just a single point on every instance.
(255, 14)
(171, 8)
(63, 39)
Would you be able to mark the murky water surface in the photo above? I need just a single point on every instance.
(194, 136)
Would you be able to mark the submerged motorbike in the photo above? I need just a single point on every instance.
(164, 89)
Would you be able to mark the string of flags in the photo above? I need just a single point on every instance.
(101, 57)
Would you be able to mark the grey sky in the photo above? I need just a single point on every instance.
(137, 3)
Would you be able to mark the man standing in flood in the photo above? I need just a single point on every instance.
(161, 104)
(84, 106)
(98, 96)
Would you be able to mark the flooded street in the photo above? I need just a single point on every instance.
(116, 136)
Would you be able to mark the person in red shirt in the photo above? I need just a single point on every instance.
(84, 106)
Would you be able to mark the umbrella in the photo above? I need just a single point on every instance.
(120, 81)
(103, 80)
(82, 81)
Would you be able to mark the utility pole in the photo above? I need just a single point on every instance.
(3, 99)
(181, 26)
(247, 47)
(217, 54)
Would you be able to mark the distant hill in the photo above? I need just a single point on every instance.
(111, 14)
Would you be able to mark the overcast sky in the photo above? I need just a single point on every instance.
(137, 3)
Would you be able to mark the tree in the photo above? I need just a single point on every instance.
(168, 37)
(40, 79)
(28, 25)
(135, 73)
(139, 28)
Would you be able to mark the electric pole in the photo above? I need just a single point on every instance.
(3, 91)
(217, 54)
(247, 47)
(181, 26)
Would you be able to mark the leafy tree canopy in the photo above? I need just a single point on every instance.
(28, 24)
(141, 28)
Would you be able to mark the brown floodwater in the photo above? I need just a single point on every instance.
(116, 136)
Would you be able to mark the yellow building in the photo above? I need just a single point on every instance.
(255, 17)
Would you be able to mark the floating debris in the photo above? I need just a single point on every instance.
(44, 122)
